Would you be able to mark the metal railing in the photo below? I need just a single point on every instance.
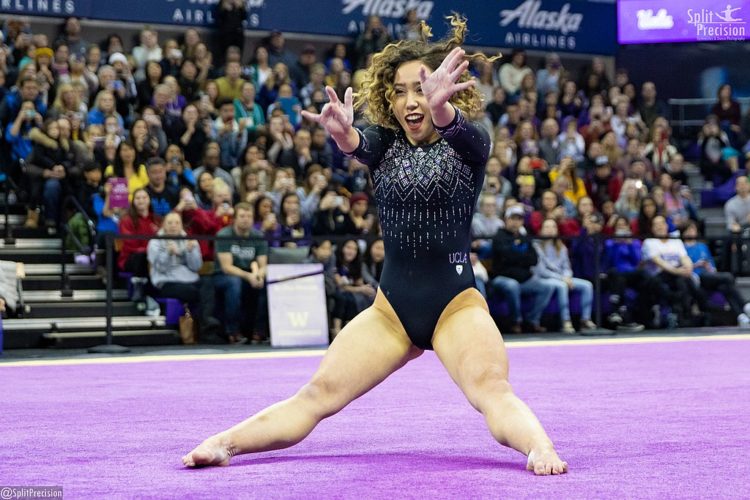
(598, 275)
(687, 116)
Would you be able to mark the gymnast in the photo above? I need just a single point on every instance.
(427, 164)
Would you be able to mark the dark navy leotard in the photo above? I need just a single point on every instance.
(426, 197)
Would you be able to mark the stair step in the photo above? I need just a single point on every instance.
(33, 296)
(33, 243)
(35, 256)
(56, 269)
(22, 232)
(13, 219)
(48, 325)
(126, 338)
(51, 282)
(93, 309)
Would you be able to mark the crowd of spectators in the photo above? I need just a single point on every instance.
(213, 143)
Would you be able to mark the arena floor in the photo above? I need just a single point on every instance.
(657, 417)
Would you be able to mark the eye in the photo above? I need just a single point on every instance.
(399, 92)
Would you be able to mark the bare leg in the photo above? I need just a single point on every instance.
(371, 347)
(471, 348)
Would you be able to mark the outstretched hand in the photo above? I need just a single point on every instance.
(336, 116)
(440, 85)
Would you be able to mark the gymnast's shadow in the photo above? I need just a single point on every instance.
(399, 461)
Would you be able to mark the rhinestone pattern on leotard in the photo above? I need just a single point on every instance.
(424, 194)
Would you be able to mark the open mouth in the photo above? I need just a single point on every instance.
(414, 121)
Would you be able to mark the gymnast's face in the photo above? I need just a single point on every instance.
(410, 105)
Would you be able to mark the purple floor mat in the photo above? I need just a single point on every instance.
(664, 420)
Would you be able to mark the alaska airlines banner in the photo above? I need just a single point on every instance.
(546, 25)
(659, 21)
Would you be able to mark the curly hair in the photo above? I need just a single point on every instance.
(377, 93)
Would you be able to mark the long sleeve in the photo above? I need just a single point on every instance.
(470, 140)
(158, 256)
(193, 258)
(373, 142)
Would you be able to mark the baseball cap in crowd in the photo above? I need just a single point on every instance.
(601, 160)
(358, 197)
(308, 49)
(42, 52)
(118, 56)
(514, 210)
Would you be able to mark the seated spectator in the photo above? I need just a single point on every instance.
(660, 150)
(331, 214)
(554, 268)
(484, 225)
(287, 103)
(571, 143)
(20, 112)
(628, 205)
(309, 193)
(140, 220)
(677, 205)
(513, 259)
(715, 160)
(320, 148)
(231, 138)
(551, 207)
(179, 173)
(249, 187)
(293, 230)
(104, 106)
(264, 219)
(527, 194)
(147, 139)
(48, 171)
(737, 209)
(240, 273)
(321, 252)
(676, 168)
(621, 261)
(67, 103)
(728, 112)
(174, 265)
(358, 221)
(221, 203)
(247, 112)
(567, 169)
(269, 92)
(148, 50)
(354, 295)
(374, 259)
(192, 134)
(283, 183)
(230, 85)
(204, 188)
(281, 137)
(125, 167)
(164, 197)
(299, 156)
(145, 88)
(710, 279)
(583, 249)
(212, 164)
(642, 225)
(668, 261)
(584, 209)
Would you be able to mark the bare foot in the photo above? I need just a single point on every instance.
(212, 451)
(544, 461)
